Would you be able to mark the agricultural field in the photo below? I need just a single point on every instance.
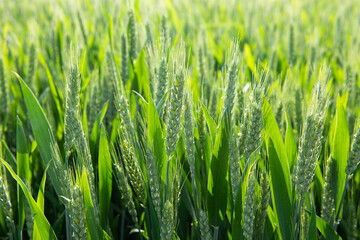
(179, 119)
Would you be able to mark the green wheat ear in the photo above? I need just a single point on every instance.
(124, 188)
(354, 157)
(167, 222)
(328, 197)
(74, 134)
(175, 109)
(77, 213)
(153, 181)
(291, 46)
(249, 205)
(311, 137)
(124, 60)
(133, 39)
(190, 143)
(162, 80)
(262, 209)
(254, 121)
(235, 170)
(204, 226)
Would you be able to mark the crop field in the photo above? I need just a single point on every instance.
(179, 119)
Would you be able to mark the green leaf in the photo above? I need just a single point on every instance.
(217, 179)
(142, 73)
(58, 98)
(272, 130)
(281, 190)
(326, 230)
(340, 151)
(105, 178)
(41, 203)
(89, 207)
(312, 234)
(96, 129)
(211, 123)
(42, 132)
(156, 139)
(174, 16)
(9, 157)
(280, 197)
(23, 168)
(249, 58)
(43, 225)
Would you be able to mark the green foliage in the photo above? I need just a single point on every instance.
(216, 119)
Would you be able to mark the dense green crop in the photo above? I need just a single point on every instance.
(188, 119)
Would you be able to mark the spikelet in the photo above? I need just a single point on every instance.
(162, 80)
(111, 83)
(253, 135)
(201, 65)
(231, 77)
(149, 37)
(133, 170)
(175, 108)
(61, 173)
(202, 131)
(240, 105)
(4, 91)
(291, 45)
(249, 205)
(242, 135)
(354, 156)
(352, 221)
(127, 127)
(189, 138)
(124, 60)
(312, 62)
(311, 138)
(230, 91)
(74, 133)
(125, 190)
(167, 222)
(153, 181)
(77, 214)
(5, 202)
(262, 210)
(132, 31)
(298, 109)
(31, 65)
(328, 197)
(234, 167)
(351, 86)
(204, 226)
(164, 36)
(71, 108)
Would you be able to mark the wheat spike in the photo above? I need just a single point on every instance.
(204, 226)
(167, 222)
